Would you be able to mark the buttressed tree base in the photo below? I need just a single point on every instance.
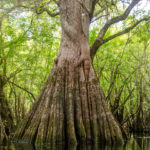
(71, 107)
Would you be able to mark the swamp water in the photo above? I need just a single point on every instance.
(135, 143)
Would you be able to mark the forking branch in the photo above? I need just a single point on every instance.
(99, 40)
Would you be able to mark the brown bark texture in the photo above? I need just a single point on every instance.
(6, 119)
(71, 107)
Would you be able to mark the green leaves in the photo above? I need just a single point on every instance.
(30, 43)
(124, 61)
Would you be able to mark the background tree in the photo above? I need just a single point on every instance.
(15, 71)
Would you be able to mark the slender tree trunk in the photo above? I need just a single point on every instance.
(139, 121)
(3, 135)
(71, 107)
(6, 119)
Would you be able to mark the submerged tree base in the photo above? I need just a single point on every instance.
(69, 110)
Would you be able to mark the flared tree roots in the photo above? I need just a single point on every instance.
(69, 110)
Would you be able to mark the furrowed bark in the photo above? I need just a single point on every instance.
(70, 109)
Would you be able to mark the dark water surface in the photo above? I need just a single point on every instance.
(135, 143)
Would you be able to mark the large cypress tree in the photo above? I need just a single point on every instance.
(71, 106)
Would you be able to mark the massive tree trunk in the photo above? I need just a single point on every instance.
(71, 106)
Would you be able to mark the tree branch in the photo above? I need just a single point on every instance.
(50, 13)
(41, 9)
(92, 8)
(84, 6)
(11, 75)
(100, 11)
(125, 31)
(44, 9)
(22, 89)
(129, 116)
(98, 18)
(99, 41)
(123, 103)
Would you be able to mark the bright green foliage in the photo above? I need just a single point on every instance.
(121, 64)
(28, 45)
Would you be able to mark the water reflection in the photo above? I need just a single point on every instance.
(69, 147)
(135, 143)
(143, 143)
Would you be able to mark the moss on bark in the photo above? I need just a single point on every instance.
(69, 110)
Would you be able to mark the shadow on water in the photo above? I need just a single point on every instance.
(135, 143)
